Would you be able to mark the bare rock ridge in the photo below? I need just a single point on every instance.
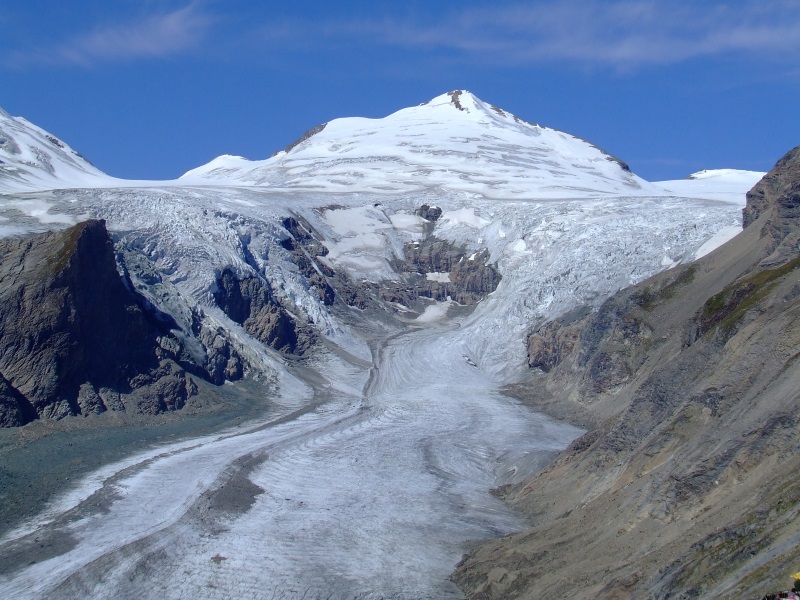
(685, 485)
(308, 134)
(777, 196)
(250, 302)
(305, 250)
(74, 339)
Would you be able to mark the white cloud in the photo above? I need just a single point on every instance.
(616, 33)
(155, 36)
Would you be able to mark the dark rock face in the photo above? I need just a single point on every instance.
(14, 407)
(455, 96)
(222, 362)
(778, 195)
(310, 133)
(548, 347)
(73, 338)
(305, 249)
(605, 346)
(250, 303)
(466, 278)
(429, 213)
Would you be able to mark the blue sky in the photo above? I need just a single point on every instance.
(152, 88)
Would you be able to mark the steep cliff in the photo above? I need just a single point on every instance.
(74, 339)
(686, 483)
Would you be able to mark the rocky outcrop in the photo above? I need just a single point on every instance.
(308, 134)
(429, 213)
(74, 339)
(438, 269)
(305, 250)
(222, 361)
(15, 409)
(250, 302)
(685, 485)
(550, 345)
(433, 269)
(454, 99)
(603, 348)
(777, 197)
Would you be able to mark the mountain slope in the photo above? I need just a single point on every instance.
(686, 484)
(32, 159)
(454, 141)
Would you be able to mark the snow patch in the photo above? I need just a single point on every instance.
(727, 185)
(519, 246)
(464, 216)
(440, 277)
(434, 312)
(407, 222)
(722, 236)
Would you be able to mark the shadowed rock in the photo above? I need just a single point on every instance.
(73, 338)
(249, 301)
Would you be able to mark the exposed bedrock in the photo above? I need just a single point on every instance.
(605, 347)
(250, 302)
(433, 268)
(438, 269)
(305, 248)
(429, 213)
(74, 339)
(777, 196)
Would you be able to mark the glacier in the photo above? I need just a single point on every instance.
(372, 469)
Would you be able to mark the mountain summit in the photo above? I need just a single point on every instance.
(454, 141)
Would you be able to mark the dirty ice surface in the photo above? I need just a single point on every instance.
(371, 493)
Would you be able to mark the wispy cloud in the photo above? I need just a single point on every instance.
(154, 36)
(616, 33)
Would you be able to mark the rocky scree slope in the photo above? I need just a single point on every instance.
(74, 338)
(685, 485)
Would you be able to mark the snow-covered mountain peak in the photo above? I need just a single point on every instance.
(461, 100)
(473, 108)
(33, 159)
(454, 142)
